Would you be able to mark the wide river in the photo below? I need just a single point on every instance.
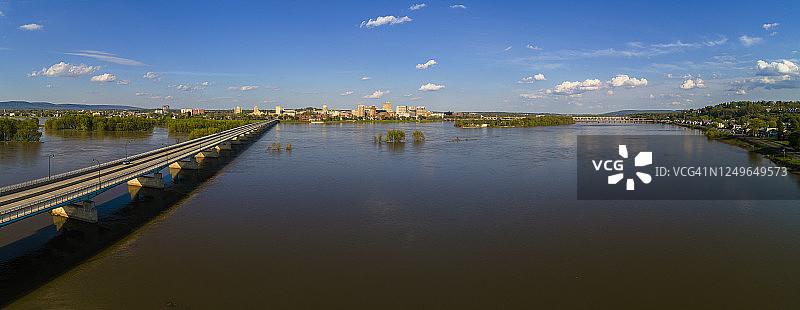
(342, 222)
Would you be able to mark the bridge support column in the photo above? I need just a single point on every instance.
(224, 146)
(84, 211)
(190, 164)
(156, 181)
(210, 153)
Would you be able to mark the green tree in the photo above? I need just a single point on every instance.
(395, 135)
(418, 136)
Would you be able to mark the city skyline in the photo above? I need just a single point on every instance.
(463, 56)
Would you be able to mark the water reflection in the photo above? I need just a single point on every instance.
(20, 153)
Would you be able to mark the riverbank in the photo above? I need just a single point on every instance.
(781, 155)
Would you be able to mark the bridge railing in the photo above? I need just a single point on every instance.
(72, 173)
(75, 194)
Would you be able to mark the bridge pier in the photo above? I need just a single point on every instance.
(224, 146)
(210, 153)
(84, 211)
(156, 181)
(186, 164)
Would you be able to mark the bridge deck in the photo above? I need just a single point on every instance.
(30, 200)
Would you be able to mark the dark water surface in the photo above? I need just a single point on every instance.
(492, 222)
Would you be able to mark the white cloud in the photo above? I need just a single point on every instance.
(777, 68)
(415, 98)
(364, 78)
(383, 20)
(417, 6)
(531, 79)
(623, 80)
(535, 48)
(31, 27)
(721, 41)
(431, 87)
(63, 69)
(677, 43)
(349, 92)
(185, 87)
(769, 26)
(651, 96)
(570, 88)
(107, 77)
(610, 92)
(142, 94)
(205, 83)
(1, 14)
(507, 48)
(750, 41)
(377, 94)
(458, 6)
(774, 75)
(243, 88)
(741, 92)
(426, 65)
(689, 84)
(48, 85)
(107, 57)
(577, 88)
(530, 96)
(152, 76)
(123, 82)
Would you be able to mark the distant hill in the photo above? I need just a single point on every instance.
(629, 112)
(24, 105)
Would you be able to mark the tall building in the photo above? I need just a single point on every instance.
(373, 111)
(402, 111)
(387, 106)
(256, 111)
(324, 109)
(165, 109)
(237, 110)
(361, 108)
(422, 111)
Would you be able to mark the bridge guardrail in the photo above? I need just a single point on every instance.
(67, 174)
(54, 200)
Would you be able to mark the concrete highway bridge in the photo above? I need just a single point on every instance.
(610, 119)
(69, 194)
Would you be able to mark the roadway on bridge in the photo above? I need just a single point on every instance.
(137, 167)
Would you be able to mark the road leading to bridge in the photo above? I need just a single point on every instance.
(29, 198)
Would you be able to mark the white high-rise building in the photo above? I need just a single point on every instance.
(278, 110)
(237, 110)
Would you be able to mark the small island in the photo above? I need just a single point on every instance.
(535, 121)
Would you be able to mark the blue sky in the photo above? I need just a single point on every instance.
(567, 56)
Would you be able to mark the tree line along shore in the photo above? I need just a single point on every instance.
(27, 130)
(770, 128)
(535, 121)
